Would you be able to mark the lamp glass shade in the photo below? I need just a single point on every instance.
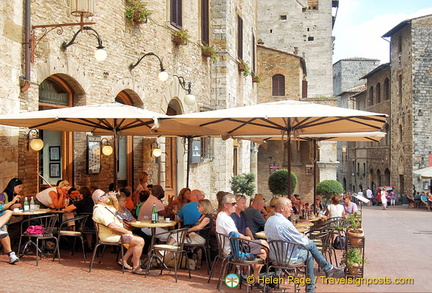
(36, 144)
(157, 152)
(107, 150)
(82, 7)
(189, 99)
(100, 54)
(163, 76)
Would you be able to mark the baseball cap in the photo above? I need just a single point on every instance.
(64, 183)
(97, 194)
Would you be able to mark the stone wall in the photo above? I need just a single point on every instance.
(289, 26)
(215, 85)
(347, 73)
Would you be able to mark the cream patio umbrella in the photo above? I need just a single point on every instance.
(101, 119)
(287, 118)
(425, 173)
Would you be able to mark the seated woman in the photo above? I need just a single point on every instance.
(13, 188)
(53, 197)
(335, 209)
(174, 205)
(5, 215)
(200, 232)
(143, 196)
(318, 206)
(349, 207)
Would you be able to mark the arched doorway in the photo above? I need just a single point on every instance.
(56, 158)
(379, 177)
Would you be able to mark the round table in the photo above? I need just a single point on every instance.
(31, 213)
(153, 226)
(304, 224)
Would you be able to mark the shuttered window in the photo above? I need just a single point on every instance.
(278, 85)
(205, 39)
(239, 37)
(176, 13)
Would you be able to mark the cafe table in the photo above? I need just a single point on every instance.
(153, 226)
(31, 213)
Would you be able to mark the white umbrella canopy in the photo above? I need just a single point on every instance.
(425, 173)
(102, 119)
(281, 118)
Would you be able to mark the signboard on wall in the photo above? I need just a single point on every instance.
(273, 167)
(309, 170)
(195, 154)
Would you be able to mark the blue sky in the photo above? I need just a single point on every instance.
(361, 23)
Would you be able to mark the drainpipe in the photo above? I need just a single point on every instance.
(25, 81)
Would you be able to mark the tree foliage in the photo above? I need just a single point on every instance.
(243, 183)
(278, 182)
(328, 188)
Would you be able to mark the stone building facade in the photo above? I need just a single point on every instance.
(411, 123)
(367, 164)
(305, 29)
(347, 73)
(74, 76)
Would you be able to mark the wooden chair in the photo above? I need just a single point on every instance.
(48, 223)
(77, 233)
(99, 242)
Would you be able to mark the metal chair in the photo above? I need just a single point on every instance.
(48, 223)
(220, 257)
(283, 255)
(241, 256)
(77, 233)
(100, 242)
(205, 248)
(160, 251)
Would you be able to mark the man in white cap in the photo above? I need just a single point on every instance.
(111, 228)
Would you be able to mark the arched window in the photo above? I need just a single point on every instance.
(378, 93)
(371, 96)
(278, 85)
(387, 89)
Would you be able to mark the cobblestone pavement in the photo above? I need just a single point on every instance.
(397, 245)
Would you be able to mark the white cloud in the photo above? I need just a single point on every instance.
(364, 39)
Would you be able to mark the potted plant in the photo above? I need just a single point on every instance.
(278, 182)
(354, 261)
(243, 183)
(136, 12)
(256, 77)
(181, 37)
(354, 230)
(243, 66)
(208, 51)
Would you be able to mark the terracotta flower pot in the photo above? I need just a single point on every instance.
(255, 79)
(206, 53)
(354, 271)
(355, 241)
(241, 67)
(177, 40)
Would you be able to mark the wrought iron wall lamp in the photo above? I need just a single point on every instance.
(163, 75)
(100, 53)
(186, 85)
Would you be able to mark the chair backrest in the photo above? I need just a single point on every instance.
(222, 240)
(240, 249)
(79, 223)
(179, 235)
(48, 222)
(284, 253)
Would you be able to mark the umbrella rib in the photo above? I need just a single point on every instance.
(89, 123)
(137, 123)
(314, 122)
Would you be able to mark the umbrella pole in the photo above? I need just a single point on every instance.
(116, 145)
(189, 149)
(289, 163)
(315, 177)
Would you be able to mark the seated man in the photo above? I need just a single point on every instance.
(225, 225)
(254, 218)
(111, 229)
(5, 214)
(189, 212)
(278, 227)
